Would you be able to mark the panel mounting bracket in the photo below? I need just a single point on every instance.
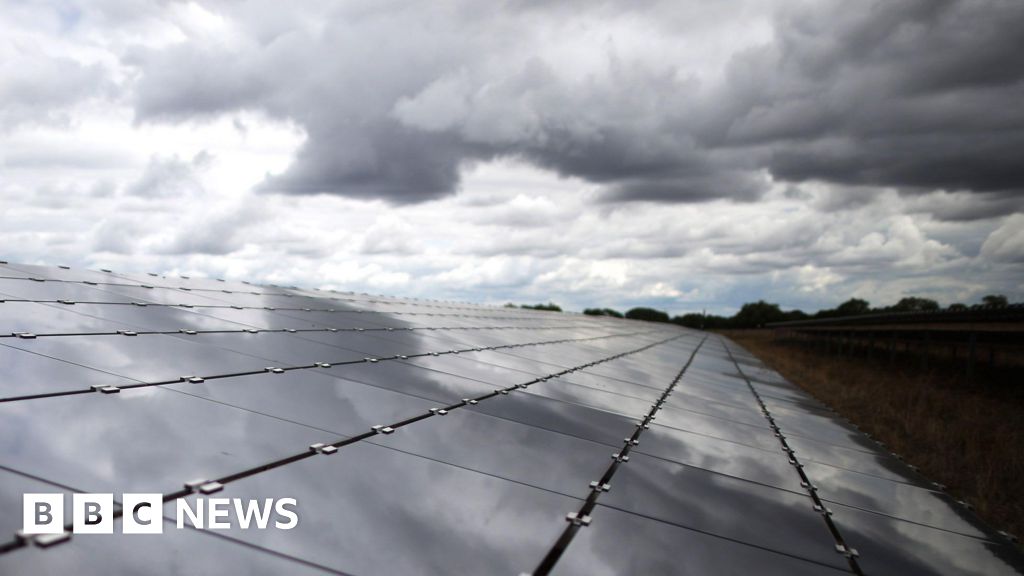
(577, 519)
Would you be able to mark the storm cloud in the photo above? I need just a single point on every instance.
(916, 94)
(397, 98)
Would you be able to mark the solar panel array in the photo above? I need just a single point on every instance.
(425, 437)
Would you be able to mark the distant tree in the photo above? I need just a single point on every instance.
(997, 300)
(712, 322)
(511, 305)
(691, 320)
(827, 313)
(602, 312)
(702, 321)
(794, 315)
(756, 314)
(550, 306)
(957, 307)
(649, 314)
(853, 307)
(913, 304)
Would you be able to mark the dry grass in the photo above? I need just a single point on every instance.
(968, 437)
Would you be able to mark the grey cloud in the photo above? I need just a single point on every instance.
(379, 161)
(192, 81)
(633, 249)
(837, 197)
(956, 161)
(202, 240)
(217, 233)
(963, 206)
(170, 177)
(913, 94)
(35, 88)
(1006, 244)
(397, 119)
(686, 187)
(116, 235)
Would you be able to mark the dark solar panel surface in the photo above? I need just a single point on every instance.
(522, 441)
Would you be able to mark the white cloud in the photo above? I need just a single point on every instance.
(1006, 244)
(810, 278)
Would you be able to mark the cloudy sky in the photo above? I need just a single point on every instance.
(684, 154)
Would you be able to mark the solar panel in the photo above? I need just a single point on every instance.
(435, 437)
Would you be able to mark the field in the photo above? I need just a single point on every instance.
(966, 435)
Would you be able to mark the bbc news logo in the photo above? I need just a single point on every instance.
(94, 513)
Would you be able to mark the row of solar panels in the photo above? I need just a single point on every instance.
(478, 441)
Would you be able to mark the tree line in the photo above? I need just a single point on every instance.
(550, 307)
(756, 314)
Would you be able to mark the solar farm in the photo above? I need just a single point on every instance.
(428, 437)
